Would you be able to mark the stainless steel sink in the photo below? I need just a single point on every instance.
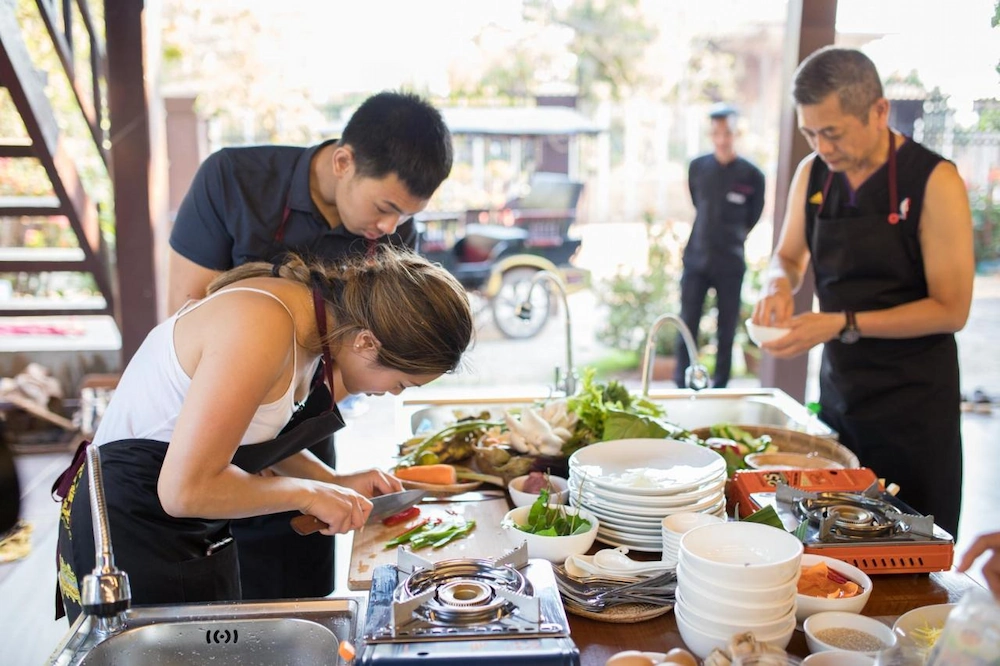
(761, 407)
(687, 408)
(306, 632)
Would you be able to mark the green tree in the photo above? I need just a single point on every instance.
(608, 39)
(222, 53)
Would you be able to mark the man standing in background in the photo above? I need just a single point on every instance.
(329, 201)
(728, 195)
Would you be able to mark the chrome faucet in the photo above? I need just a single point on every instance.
(106, 593)
(567, 384)
(695, 375)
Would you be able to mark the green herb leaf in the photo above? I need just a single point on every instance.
(547, 520)
(765, 516)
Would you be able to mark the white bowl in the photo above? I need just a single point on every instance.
(933, 616)
(728, 610)
(808, 605)
(552, 548)
(737, 594)
(701, 641)
(748, 555)
(838, 658)
(716, 623)
(558, 494)
(761, 334)
(681, 523)
(820, 622)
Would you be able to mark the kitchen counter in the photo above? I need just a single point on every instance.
(892, 596)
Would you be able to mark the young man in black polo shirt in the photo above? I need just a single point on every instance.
(728, 196)
(328, 201)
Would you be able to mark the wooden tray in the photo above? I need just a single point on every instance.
(488, 540)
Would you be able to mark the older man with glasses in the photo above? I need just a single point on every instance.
(885, 224)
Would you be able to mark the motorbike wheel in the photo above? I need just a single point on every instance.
(514, 287)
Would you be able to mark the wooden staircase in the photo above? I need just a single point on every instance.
(44, 142)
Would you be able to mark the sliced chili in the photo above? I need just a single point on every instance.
(402, 516)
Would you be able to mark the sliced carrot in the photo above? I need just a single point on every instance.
(439, 474)
(346, 651)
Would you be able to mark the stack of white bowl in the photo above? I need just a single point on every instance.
(733, 578)
(631, 485)
(676, 525)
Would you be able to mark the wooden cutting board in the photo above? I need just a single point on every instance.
(488, 540)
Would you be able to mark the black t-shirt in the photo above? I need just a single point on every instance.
(233, 210)
(728, 200)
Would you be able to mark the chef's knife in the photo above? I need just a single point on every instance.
(383, 506)
(471, 496)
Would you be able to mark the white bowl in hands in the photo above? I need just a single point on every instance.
(761, 334)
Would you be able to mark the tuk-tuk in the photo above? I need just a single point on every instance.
(495, 253)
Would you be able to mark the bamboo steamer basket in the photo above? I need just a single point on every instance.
(793, 441)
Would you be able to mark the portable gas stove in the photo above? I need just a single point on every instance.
(847, 516)
(450, 612)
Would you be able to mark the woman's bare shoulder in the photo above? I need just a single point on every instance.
(236, 323)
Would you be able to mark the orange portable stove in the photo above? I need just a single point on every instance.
(847, 516)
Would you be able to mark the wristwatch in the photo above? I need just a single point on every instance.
(850, 333)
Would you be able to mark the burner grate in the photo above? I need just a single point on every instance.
(464, 598)
(462, 593)
(847, 516)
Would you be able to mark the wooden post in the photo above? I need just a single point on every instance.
(130, 172)
(812, 24)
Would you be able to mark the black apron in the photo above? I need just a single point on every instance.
(169, 560)
(275, 562)
(895, 402)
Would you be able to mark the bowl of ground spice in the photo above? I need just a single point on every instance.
(836, 630)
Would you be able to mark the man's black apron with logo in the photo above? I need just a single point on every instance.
(895, 402)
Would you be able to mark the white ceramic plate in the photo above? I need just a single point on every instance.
(647, 466)
(639, 533)
(578, 486)
(652, 517)
(644, 547)
(632, 536)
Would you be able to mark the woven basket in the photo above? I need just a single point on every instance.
(793, 441)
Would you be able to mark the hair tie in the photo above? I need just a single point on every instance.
(332, 288)
(275, 268)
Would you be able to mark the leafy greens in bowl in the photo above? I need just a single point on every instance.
(552, 532)
(546, 520)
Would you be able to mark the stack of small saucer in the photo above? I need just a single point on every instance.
(676, 525)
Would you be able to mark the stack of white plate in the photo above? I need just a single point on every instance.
(631, 485)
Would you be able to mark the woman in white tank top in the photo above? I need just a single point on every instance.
(211, 388)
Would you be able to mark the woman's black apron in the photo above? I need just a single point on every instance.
(168, 560)
(895, 402)
(275, 562)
